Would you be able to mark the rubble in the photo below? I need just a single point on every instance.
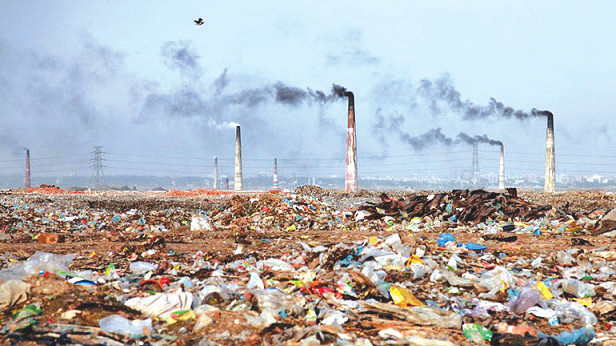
(436, 268)
(458, 205)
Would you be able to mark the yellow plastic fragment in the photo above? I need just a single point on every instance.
(545, 291)
(372, 240)
(587, 302)
(403, 297)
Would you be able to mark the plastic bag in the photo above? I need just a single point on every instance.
(527, 298)
(495, 280)
(142, 267)
(574, 287)
(39, 262)
(569, 312)
(120, 325)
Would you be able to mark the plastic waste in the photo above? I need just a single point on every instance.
(142, 267)
(574, 287)
(445, 238)
(275, 264)
(24, 318)
(200, 222)
(403, 297)
(564, 257)
(455, 280)
(120, 325)
(273, 303)
(581, 336)
(495, 280)
(476, 332)
(569, 312)
(396, 244)
(527, 298)
(13, 292)
(37, 263)
(474, 247)
(255, 282)
(161, 304)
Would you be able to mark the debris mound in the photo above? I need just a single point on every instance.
(312, 190)
(461, 205)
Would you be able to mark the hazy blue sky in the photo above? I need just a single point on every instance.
(140, 77)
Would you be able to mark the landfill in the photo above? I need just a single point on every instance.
(307, 267)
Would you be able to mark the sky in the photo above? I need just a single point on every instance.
(161, 94)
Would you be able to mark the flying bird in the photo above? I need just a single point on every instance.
(199, 21)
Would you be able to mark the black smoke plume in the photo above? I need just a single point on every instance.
(426, 139)
(441, 96)
(477, 139)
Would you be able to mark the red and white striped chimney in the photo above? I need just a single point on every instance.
(239, 181)
(27, 177)
(550, 166)
(350, 182)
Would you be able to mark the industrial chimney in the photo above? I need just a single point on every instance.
(475, 165)
(227, 183)
(215, 185)
(27, 177)
(550, 166)
(275, 182)
(239, 184)
(350, 183)
(501, 172)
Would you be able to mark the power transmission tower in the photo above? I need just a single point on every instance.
(98, 176)
(475, 166)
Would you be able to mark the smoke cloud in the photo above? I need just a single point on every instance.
(180, 56)
(11, 145)
(442, 96)
(426, 139)
(221, 82)
(477, 139)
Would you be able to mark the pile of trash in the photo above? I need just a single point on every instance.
(458, 205)
(292, 269)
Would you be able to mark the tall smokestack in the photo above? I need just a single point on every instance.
(239, 184)
(215, 185)
(275, 182)
(227, 183)
(501, 173)
(475, 165)
(27, 177)
(350, 183)
(550, 166)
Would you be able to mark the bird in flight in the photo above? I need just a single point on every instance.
(199, 21)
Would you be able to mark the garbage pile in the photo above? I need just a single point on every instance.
(292, 269)
(458, 205)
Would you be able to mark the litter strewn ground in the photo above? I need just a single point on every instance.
(309, 267)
